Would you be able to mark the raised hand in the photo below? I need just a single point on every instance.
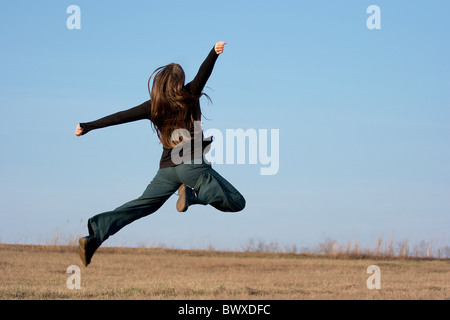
(219, 46)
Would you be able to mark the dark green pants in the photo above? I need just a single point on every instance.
(211, 189)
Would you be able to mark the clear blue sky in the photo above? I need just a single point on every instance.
(363, 117)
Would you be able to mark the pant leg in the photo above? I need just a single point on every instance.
(211, 187)
(157, 192)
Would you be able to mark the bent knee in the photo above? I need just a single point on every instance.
(239, 204)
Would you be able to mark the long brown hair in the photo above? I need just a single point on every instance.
(172, 106)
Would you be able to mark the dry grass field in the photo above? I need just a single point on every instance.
(40, 272)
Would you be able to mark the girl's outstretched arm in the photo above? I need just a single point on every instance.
(137, 113)
(198, 83)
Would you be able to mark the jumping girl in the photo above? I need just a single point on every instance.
(173, 105)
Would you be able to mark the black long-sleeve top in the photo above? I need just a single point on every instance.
(142, 111)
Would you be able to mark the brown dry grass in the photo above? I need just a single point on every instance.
(39, 272)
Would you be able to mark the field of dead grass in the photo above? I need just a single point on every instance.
(40, 272)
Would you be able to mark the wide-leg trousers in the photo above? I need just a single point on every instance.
(210, 186)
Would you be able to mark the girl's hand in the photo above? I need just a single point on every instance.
(219, 46)
(79, 130)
